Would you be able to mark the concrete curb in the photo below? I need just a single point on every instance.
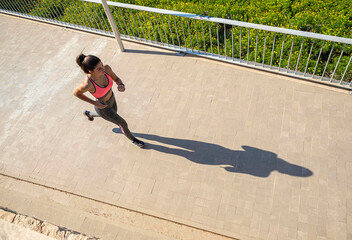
(42, 227)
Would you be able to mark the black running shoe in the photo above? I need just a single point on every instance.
(87, 113)
(138, 143)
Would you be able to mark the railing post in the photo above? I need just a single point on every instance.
(113, 25)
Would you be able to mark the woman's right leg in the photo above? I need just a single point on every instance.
(109, 114)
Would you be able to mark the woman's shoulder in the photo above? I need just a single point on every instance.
(86, 83)
(108, 69)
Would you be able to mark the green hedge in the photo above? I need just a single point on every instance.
(325, 17)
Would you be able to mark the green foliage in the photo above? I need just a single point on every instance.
(284, 52)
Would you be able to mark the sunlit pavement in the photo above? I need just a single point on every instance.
(236, 151)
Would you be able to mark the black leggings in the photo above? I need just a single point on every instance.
(110, 113)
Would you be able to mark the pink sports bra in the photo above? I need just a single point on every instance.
(101, 92)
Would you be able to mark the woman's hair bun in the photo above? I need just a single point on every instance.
(80, 58)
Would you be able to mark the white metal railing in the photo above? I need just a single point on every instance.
(306, 55)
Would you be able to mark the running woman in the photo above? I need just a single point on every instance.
(99, 82)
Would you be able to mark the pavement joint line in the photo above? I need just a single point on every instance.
(121, 207)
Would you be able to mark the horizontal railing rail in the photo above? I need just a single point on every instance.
(311, 56)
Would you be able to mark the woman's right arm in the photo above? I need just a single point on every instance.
(79, 92)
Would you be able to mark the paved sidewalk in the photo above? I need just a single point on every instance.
(240, 152)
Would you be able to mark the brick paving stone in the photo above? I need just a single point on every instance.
(224, 143)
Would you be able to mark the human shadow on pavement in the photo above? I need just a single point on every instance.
(251, 160)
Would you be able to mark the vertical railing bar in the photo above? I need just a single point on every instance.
(183, 30)
(310, 53)
(338, 61)
(170, 29)
(62, 11)
(18, 9)
(272, 52)
(121, 26)
(282, 50)
(266, 33)
(327, 62)
(88, 15)
(128, 16)
(121, 10)
(63, 6)
(178, 38)
(289, 58)
(54, 11)
(225, 40)
(102, 20)
(81, 20)
(211, 42)
(68, 13)
(106, 25)
(157, 24)
(3, 5)
(190, 36)
(21, 10)
(232, 50)
(348, 64)
(249, 33)
(11, 7)
(44, 14)
(7, 5)
(41, 12)
(134, 22)
(195, 26)
(162, 22)
(146, 25)
(140, 24)
(321, 49)
(72, 18)
(26, 8)
(205, 49)
(86, 8)
(240, 43)
(256, 48)
(14, 8)
(151, 24)
(217, 38)
(96, 21)
(299, 55)
(124, 22)
(75, 13)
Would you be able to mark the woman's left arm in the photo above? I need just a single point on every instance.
(111, 73)
(120, 85)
